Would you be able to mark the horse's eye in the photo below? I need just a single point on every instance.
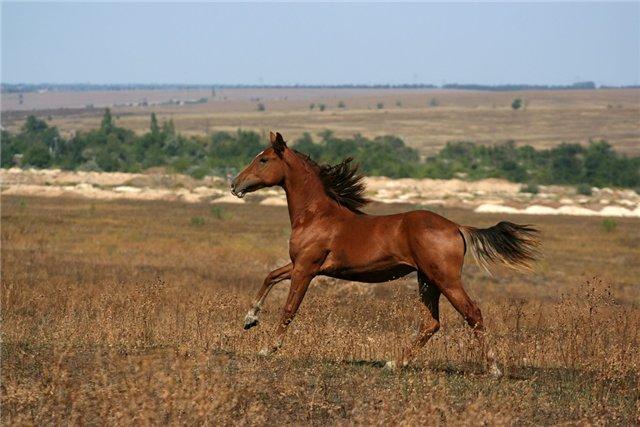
(263, 160)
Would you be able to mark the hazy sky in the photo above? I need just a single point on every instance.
(490, 43)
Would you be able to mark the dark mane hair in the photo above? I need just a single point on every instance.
(341, 182)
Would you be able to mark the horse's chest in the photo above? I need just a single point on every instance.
(309, 240)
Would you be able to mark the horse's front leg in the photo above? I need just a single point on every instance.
(300, 279)
(276, 276)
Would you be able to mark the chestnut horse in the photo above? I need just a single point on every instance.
(330, 236)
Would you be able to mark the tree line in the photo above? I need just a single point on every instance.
(112, 148)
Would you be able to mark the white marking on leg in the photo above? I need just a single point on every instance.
(390, 365)
(252, 316)
(494, 371)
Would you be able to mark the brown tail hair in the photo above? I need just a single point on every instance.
(511, 244)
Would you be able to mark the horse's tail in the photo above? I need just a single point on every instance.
(511, 244)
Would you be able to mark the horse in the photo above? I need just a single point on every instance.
(331, 236)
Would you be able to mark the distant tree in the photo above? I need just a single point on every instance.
(379, 105)
(154, 128)
(312, 106)
(168, 127)
(261, 106)
(433, 102)
(398, 103)
(37, 155)
(107, 122)
(321, 107)
(341, 104)
(34, 124)
(516, 104)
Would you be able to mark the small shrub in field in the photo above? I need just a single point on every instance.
(321, 107)
(379, 105)
(584, 189)
(197, 221)
(433, 102)
(261, 107)
(609, 224)
(217, 212)
(341, 104)
(531, 188)
(197, 172)
(312, 106)
(398, 103)
(516, 104)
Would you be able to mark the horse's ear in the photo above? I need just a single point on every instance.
(277, 142)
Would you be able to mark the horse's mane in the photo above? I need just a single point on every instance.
(341, 182)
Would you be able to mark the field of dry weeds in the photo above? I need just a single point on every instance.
(116, 312)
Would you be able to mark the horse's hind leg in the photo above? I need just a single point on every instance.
(458, 297)
(442, 264)
(430, 296)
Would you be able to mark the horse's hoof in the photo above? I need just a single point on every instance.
(390, 365)
(495, 372)
(265, 352)
(250, 322)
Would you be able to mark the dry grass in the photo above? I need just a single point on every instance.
(548, 118)
(119, 313)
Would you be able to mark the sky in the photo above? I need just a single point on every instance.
(309, 43)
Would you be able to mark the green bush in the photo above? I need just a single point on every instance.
(609, 225)
(217, 212)
(584, 189)
(531, 188)
(516, 104)
(197, 221)
(37, 155)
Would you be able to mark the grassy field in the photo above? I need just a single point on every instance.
(116, 312)
(425, 119)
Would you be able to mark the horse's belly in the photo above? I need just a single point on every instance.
(375, 275)
(365, 268)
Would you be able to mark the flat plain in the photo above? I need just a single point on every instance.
(425, 118)
(118, 312)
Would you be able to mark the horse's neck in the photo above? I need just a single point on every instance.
(306, 198)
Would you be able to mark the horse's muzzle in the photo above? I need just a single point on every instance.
(240, 189)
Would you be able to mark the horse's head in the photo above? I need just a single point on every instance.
(266, 169)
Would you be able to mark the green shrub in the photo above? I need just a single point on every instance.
(516, 104)
(531, 188)
(584, 189)
(197, 221)
(261, 107)
(379, 105)
(341, 104)
(321, 107)
(37, 156)
(217, 212)
(609, 225)
(197, 172)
